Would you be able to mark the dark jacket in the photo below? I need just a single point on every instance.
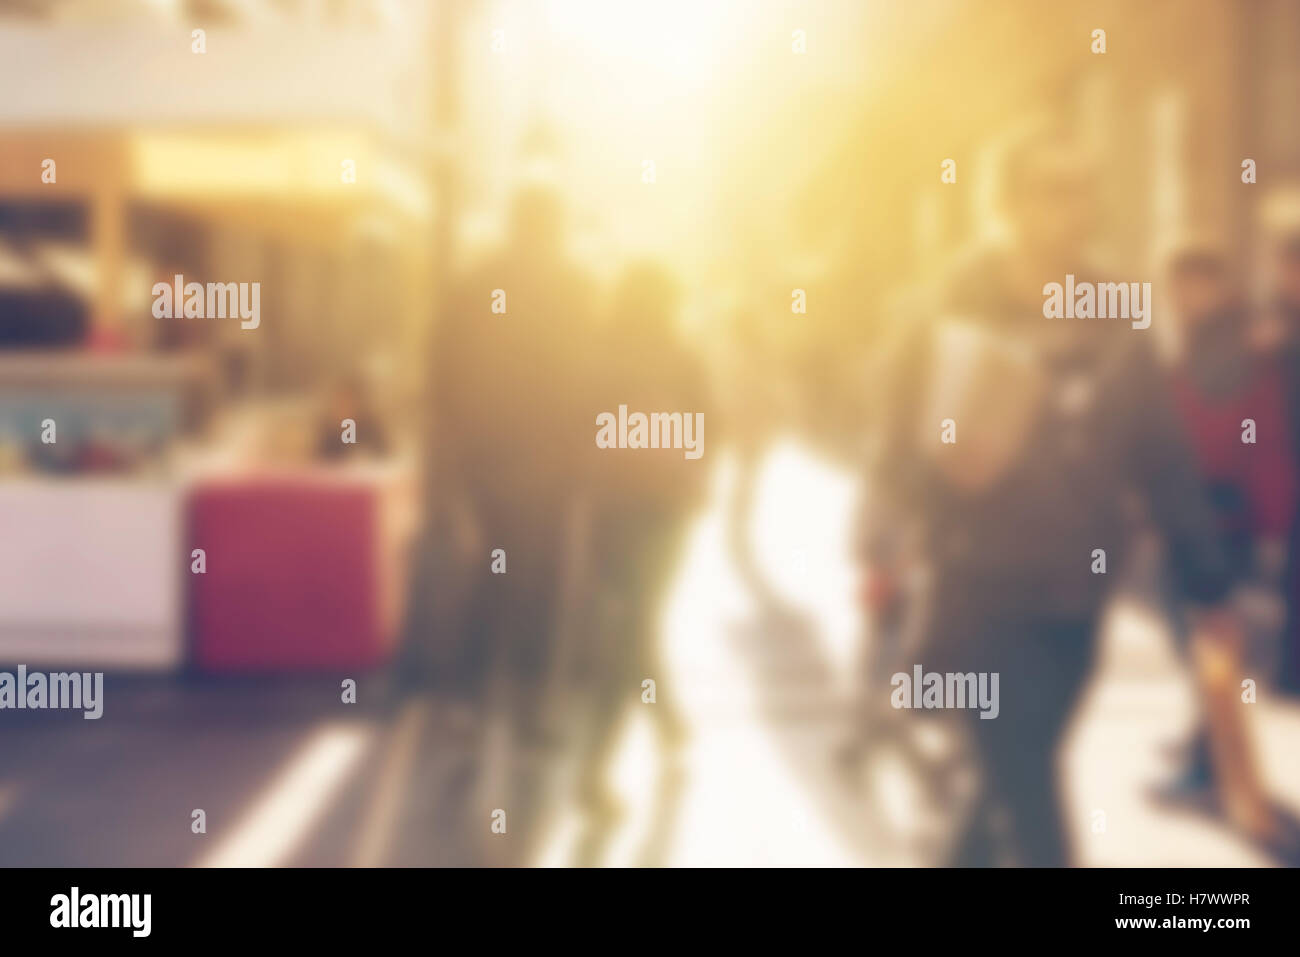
(1081, 481)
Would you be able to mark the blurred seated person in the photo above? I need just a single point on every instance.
(349, 425)
(177, 333)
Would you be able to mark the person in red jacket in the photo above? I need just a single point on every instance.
(1233, 402)
(1279, 333)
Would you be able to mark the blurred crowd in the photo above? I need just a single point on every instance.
(1091, 458)
(1017, 474)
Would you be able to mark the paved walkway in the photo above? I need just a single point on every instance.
(286, 774)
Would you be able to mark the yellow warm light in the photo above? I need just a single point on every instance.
(671, 40)
(181, 165)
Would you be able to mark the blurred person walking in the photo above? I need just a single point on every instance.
(508, 431)
(1280, 335)
(1063, 435)
(642, 502)
(1232, 400)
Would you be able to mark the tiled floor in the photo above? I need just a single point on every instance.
(286, 774)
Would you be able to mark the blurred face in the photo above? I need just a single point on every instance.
(1053, 206)
(1198, 292)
